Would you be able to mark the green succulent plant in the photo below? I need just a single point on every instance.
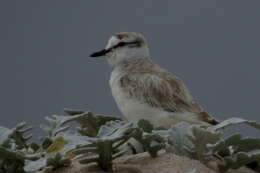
(58, 161)
(200, 140)
(101, 139)
(90, 123)
(207, 143)
(177, 137)
(55, 147)
(103, 148)
(151, 141)
(13, 148)
(236, 151)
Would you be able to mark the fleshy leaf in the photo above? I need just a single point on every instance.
(56, 123)
(145, 125)
(115, 129)
(18, 134)
(57, 145)
(240, 159)
(151, 141)
(236, 152)
(58, 161)
(200, 140)
(104, 147)
(177, 136)
(233, 121)
(91, 123)
(4, 136)
(15, 135)
(31, 166)
(14, 160)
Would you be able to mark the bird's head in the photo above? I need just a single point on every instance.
(124, 46)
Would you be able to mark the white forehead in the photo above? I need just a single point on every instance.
(112, 42)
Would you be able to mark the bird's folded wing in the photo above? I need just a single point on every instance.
(163, 91)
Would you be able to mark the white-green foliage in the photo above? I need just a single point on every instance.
(56, 124)
(237, 151)
(206, 143)
(146, 135)
(177, 137)
(95, 131)
(18, 155)
(200, 140)
(89, 123)
(15, 135)
(14, 148)
(101, 138)
(234, 150)
(232, 122)
(104, 148)
(191, 140)
(58, 161)
(61, 140)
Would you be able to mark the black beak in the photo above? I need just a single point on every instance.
(100, 53)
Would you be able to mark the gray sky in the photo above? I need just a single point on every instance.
(213, 45)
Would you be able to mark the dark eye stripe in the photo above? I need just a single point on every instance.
(121, 44)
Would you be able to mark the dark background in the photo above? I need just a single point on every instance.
(213, 45)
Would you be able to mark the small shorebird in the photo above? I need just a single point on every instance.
(144, 90)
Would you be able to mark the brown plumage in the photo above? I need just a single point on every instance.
(159, 88)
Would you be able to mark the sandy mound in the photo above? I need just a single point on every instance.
(143, 163)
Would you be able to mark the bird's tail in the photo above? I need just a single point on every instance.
(206, 117)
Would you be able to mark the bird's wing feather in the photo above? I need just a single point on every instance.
(167, 93)
(161, 89)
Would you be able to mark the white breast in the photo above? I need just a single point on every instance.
(134, 109)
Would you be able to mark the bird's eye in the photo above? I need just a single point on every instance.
(130, 44)
(121, 44)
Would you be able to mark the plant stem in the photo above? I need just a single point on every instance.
(105, 155)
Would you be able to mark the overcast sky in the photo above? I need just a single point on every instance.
(213, 45)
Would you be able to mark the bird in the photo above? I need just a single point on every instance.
(144, 90)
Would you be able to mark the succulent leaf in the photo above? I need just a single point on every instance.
(233, 121)
(200, 140)
(177, 136)
(58, 144)
(91, 123)
(151, 141)
(145, 125)
(58, 161)
(104, 147)
(239, 159)
(31, 166)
